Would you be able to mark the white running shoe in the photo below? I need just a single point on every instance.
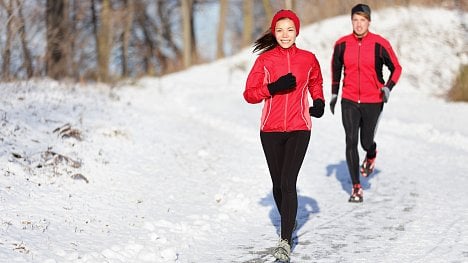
(283, 251)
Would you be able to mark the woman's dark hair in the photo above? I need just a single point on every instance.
(265, 42)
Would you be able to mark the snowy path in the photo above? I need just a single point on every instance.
(411, 211)
(182, 177)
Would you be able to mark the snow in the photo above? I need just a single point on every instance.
(171, 169)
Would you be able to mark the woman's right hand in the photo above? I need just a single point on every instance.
(283, 83)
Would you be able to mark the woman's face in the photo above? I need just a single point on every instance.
(360, 25)
(285, 32)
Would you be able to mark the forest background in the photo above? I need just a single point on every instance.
(111, 40)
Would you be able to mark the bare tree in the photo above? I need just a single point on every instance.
(223, 6)
(24, 42)
(195, 57)
(149, 46)
(9, 38)
(56, 21)
(165, 12)
(248, 22)
(268, 12)
(290, 4)
(157, 42)
(187, 31)
(128, 21)
(103, 34)
(81, 37)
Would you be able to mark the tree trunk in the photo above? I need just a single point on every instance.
(103, 37)
(129, 6)
(192, 33)
(74, 34)
(289, 4)
(56, 22)
(187, 31)
(149, 46)
(223, 5)
(268, 12)
(248, 23)
(24, 42)
(9, 36)
(165, 15)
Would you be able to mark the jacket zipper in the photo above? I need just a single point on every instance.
(287, 95)
(359, 70)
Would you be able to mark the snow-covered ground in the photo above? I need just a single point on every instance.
(172, 170)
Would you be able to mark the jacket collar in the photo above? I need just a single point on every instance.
(362, 38)
(291, 50)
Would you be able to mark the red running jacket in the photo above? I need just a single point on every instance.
(363, 60)
(289, 111)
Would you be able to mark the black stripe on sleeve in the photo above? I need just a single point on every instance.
(337, 66)
(382, 57)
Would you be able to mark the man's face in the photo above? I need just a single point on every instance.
(360, 25)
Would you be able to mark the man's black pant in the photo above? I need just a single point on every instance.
(359, 119)
(284, 152)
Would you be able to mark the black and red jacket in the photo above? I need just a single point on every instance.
(363, 60)
(289, 111)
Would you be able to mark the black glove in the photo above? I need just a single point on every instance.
(318, 108)
(285, 82)
(385, 94)
(333, 100)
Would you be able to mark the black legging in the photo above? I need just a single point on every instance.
(284, 152)
(363, 116)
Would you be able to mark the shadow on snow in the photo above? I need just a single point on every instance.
(340, 170)
(306, 206)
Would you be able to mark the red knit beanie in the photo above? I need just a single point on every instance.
(285, 14)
